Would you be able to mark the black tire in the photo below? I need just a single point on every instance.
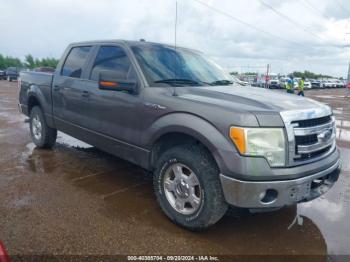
(48, 135)
(212, 206)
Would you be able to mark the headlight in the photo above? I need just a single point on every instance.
(265, 142)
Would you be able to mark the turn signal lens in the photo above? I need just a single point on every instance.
(108, 84)
(237, 135)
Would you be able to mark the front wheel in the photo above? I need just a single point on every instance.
(188, 189)
(42, 135)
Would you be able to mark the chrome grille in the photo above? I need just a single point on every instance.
(311, 134)
(318, 137)
(313, 122)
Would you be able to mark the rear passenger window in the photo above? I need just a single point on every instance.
(112, 58)
(75, 61)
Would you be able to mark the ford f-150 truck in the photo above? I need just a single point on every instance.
(210, 144)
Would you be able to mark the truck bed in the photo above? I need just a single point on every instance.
(41, 82)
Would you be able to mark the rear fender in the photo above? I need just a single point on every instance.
(35, 92)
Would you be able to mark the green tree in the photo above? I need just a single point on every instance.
(37, 62)
(308, 74)
(11, 61)
(2, 62)
(29, 61)
(250, 73)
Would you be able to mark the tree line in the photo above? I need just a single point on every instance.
(29, 62)
(309, 75)
(306, 74)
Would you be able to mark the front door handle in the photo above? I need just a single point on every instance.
(56, 88)
(154, 106)
(85, 94)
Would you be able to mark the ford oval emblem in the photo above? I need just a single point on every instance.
(325, 135)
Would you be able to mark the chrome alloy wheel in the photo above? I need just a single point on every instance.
(182, 189)
(36, 127)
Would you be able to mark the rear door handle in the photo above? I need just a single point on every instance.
(85, 94)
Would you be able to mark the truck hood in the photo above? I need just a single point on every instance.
(270, 108)
(249, 98)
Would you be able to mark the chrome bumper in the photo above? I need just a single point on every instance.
(273, 194)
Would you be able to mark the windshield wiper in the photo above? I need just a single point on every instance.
(221, 82)
(180, 81)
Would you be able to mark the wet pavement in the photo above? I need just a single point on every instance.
(75, 199)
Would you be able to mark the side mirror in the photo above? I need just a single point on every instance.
(109, 80)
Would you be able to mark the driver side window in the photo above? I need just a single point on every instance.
(112, 58)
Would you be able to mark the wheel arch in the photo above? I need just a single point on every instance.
(33, 101)
(186, 128)
(36, 97)
(171, 139)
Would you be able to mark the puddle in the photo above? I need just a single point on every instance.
(330, 213)
(328, 96)
(24, 201)
(345, 157)
(71, 141)
(343, 134)
(340, 123)
(337, 112)
(11, 117)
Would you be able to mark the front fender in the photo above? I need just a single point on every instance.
(196, 127)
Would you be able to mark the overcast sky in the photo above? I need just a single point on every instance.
(304, 35)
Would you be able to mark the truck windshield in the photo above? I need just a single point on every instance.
(165, 66)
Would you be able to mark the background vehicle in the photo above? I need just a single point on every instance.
(273, 84)
(2, 75)
(296, 82)
(12, 73)
(316, 84)
(238, 81)
(339, 84)
(333, 83)
(210, 144)
(327, 84)
(307, 84)
(282, 82)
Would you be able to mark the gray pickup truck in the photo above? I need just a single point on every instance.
(210, 144)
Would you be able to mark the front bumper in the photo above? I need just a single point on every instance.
(274, 194)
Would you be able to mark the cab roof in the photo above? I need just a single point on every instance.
(128, 43)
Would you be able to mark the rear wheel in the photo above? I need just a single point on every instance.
(42, 135)
(188, 189)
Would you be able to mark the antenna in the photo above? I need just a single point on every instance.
(175, 40)
(175, 36)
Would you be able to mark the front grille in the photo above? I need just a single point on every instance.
(306, 140)
(313, 137)
(313, 122)
(312, 155)
(310, 132)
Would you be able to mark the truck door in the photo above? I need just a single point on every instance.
(68, 92)
(114, 114)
